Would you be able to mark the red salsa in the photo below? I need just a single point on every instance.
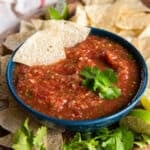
(56, 89)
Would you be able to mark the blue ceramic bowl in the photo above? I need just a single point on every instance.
(85, 125)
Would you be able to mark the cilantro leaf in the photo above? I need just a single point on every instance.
(21, 141)
(78, 143)
(108, 77)
(54, 14)
(119, 139)
(38, 138)
(89, 72)
(101, 82)
(24, 139)
(113, 143)
(128, 141)
(60, 11)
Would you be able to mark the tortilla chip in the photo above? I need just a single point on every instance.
(80, 16)
(4, 93)
(143, 46)
(146, 32)
(37, 24)
(110, 16)
(59, 25)
(14, 40)
(1, 49)
(132, 20)
(71, 33)
(134, 5)
(12, 102)
(3, 64)
(89, 2)
(40, 49)
(118, 10)
(96, 12)
(54, 140)
(47, 46)
(6, 140)
(6, 99)
(129, 35)
(3, 104)
(26, 26)
(12, 118)
(142, 42)
(105, 15)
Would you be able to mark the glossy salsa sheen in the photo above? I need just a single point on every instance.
(56, 89)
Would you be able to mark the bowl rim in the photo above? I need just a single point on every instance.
(120, 113)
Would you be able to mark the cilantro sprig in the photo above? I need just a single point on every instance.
(25, 139)
(120, 138)
(60, 11)
(101, 82)
(103, 139)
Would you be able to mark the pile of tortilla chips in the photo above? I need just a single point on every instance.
(127, 18)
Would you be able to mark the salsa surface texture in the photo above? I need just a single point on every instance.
(56, 89)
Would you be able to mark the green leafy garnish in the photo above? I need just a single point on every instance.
(119, 139)
(38, 139)
(78, 143)
(103, 139)
(101, 82)
(58, 12)
(24, 139)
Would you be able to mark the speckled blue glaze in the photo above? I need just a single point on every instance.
(87, 125)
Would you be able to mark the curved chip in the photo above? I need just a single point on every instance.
(80, 16)
(47, 46)
(6, 140)
(89, 2)
(96, 13)
(41, 48)
(132, 20)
